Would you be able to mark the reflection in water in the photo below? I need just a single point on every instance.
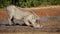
(4, 24)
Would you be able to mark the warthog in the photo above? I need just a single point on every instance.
(28, 17)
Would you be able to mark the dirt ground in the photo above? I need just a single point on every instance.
(41, 13)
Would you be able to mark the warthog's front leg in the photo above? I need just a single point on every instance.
(26, 21)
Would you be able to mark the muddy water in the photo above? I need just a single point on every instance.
(45, 19)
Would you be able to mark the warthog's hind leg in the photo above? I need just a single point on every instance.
(10, 20)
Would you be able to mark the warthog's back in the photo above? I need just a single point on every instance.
(18, 13)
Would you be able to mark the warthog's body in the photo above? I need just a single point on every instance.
(28, 17)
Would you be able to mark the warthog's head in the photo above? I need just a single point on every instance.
(38, 24)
